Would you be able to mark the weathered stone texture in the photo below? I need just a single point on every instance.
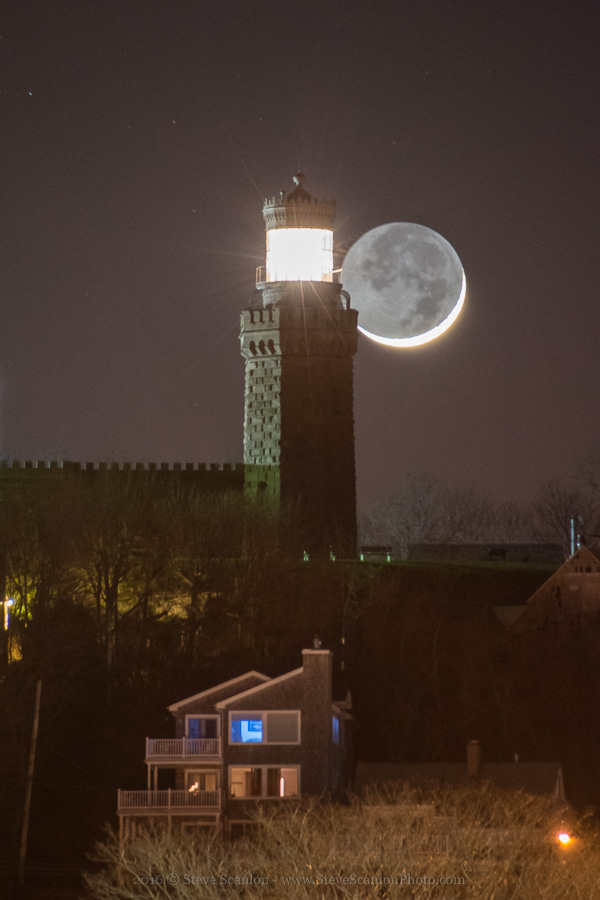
(299, 406)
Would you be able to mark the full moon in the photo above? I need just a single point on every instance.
(407, 283)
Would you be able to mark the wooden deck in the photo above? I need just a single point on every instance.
(168, 802)
(177, 750)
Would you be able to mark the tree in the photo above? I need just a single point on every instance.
(118, 548)
(35, 533)
(556, 502)
(451, 842)
(426, 510)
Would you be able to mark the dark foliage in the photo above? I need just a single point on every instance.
(187, 590)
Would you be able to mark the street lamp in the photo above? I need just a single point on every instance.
(7, 604)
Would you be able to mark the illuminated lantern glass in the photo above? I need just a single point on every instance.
(300, 254)
(299, 236)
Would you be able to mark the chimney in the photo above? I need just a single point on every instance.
(473, 759)
(316, 721)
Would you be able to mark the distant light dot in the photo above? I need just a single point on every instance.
(30, 94)
(564, 838)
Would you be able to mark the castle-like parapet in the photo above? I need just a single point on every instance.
(211, 475)
(298, 209)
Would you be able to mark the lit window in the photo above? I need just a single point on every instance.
(254, 782)
(282, 782)
(201, 781)
(335, 730)
(246, 782)
(246, 729)
(273, 727)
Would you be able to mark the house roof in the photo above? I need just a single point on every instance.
(345, 705)
(233, 696)
(218, 687)
(583, 556)
(508, 615)
(541, 778)
(250, 692)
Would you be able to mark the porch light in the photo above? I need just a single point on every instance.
(564, 838)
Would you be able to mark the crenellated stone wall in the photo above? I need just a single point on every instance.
(210, 475)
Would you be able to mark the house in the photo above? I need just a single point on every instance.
(543, 779)
(570, 596)
(250, 740)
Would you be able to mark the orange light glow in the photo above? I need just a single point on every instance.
(564, 838)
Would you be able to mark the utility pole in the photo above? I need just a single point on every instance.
(25, 826)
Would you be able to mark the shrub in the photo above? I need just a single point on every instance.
(452, 842)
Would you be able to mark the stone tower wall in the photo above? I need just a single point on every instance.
(298, 423)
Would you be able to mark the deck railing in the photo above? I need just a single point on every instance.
(182, 747)
(263, 276)
(169, 800)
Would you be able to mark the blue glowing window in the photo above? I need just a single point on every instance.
(246, 730)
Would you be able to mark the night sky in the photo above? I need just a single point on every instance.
(138, 140)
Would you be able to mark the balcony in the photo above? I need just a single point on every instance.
(169, 801)
(263, 276)
(182, 750)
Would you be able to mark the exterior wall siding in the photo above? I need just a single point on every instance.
(322, 766)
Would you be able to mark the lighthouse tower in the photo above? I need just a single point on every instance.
(298, 338)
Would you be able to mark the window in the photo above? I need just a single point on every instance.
(246, 782)
(202, 780)
(335, 730)
(276, 727)
(202, 726)
(263, 782)
(282, 728)
(246, 728)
